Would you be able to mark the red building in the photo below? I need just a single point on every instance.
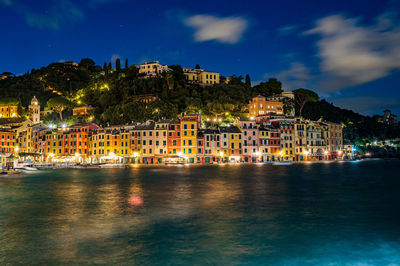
(174, 137)
(269, 143)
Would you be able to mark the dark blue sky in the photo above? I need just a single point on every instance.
(347, 51)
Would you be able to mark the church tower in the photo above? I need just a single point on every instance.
(34, 108)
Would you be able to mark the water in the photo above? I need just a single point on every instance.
(304, 214)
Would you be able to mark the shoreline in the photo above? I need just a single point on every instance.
(128, 166)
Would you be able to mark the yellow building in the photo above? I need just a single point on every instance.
(334, 139)
(189, 126)
(201, 77)
(231, 143)
(152, 68)
(8, 108)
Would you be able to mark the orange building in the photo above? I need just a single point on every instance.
(82, 110)
(260, 106)
(8, 141)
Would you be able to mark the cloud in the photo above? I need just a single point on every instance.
(224, 30)
(287, 30)
(60, 12)
(298, 75)
(352, 54)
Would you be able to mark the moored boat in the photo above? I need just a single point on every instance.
(283, 163)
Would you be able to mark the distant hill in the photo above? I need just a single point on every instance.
(356, 126)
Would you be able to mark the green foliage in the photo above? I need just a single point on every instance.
(9, 100)
(248, 81)
(87, 63)
(303, 96)
(59, 104)
(356, 126)
(118, 64)
(269, 88)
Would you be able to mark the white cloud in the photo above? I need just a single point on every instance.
(224, 30)
(352, 54)
(298, 75)
(60, 12)
(287, 30)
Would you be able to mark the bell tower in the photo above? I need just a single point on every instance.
(34, 109)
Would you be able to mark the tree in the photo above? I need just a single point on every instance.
(87, 63)
(303, 96)
(126, 63)
(248, 81)
(197, 66)
(118, 64)
(269, 88)
(59, 104)
(288, 106)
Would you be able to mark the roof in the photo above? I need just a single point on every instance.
(149, 125)
(231, 129)
(210, 131)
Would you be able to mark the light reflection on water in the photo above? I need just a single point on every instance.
(253, 214)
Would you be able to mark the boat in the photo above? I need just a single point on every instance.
(30, 168)
(283, 163)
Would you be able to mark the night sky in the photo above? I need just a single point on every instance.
(347, 51)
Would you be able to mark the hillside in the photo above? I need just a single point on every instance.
(114, 93)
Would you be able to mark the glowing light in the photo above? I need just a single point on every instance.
(257, 153)
(226, 113)
(112, 154)
(208, 119)
(251, 117)
(135, 154)
(77, 154)
(215, 120)
(325, 152)
(16, 148)
(64, 125)
(51, 155)
(13, 115)
(180, 153)
(219, 120)
(221, 153)
(51, 126)
(135, 201)
(280, 153)
(306, 152)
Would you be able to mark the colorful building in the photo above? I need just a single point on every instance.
(250, 131)
(200, 76)
(259, 106)
(82, 110)
(189, 126)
